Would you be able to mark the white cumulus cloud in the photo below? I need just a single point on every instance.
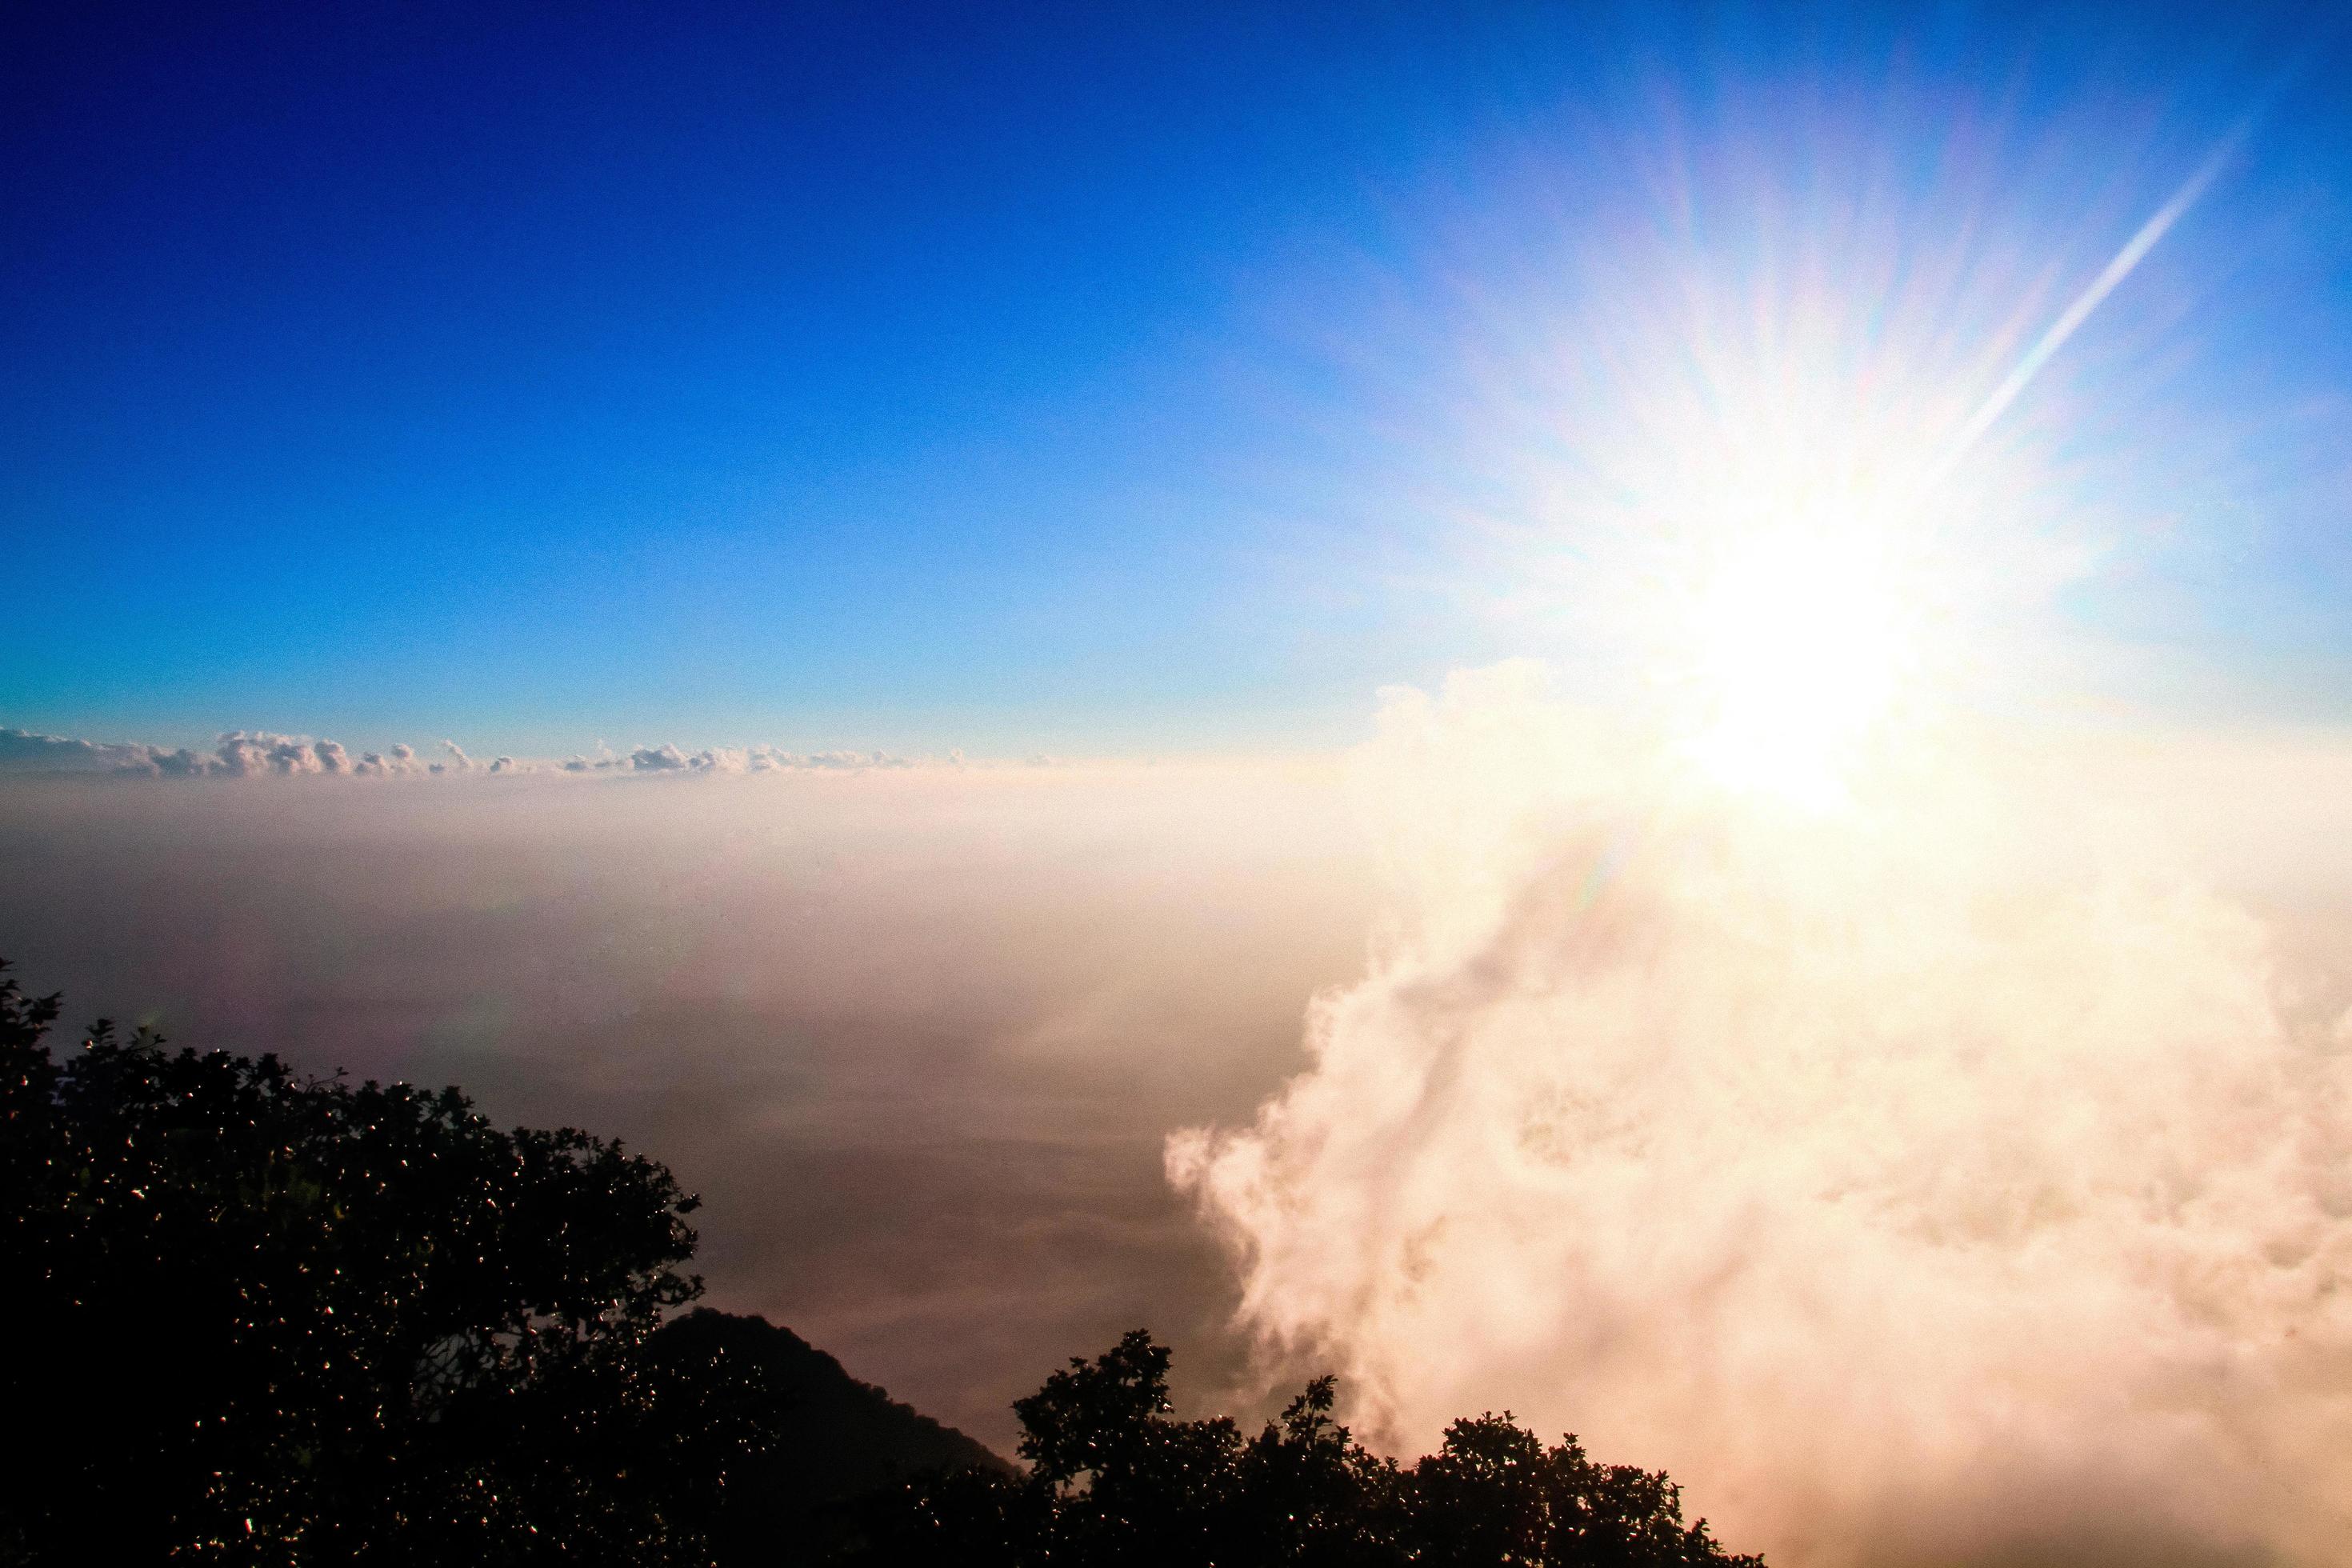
(1939, 1182)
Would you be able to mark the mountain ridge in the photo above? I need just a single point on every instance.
(837, 1438)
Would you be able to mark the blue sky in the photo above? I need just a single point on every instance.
(1078, 378)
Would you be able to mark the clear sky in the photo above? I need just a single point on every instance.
(1084, 378)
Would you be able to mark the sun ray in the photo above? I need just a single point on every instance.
(2117, 268)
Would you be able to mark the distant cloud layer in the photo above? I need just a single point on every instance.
(244, 755)
(241, 754)
(257, 753)
(759, 759)
(22, 750)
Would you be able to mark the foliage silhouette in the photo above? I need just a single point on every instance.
(260, 1318)
(289, 1321)
(1115, 1478)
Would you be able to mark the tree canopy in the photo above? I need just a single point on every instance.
(260, 1318)
(1116, 1478)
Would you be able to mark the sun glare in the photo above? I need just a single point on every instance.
(1801, 644)
(1792, 626)
(1801, 505)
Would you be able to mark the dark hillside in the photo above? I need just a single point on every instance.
(833, 1436)
(831, 1439)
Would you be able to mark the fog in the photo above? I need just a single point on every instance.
(914, 1034)
(1962, 1175)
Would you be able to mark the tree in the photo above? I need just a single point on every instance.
(260, 1318)
(1154, 1490)
(1116, 1482)
(1311, 1496)
(1494, 1494)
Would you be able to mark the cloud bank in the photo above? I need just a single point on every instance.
(1942, 1183)
(759, 759)
(242, 753)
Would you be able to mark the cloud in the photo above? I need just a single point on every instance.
(179, 763)
(238, 753)
(756, 759)
(259, 754)
(1943, 1182)
(396, 760)
(23, 751)
(846, 760)
(245, 753)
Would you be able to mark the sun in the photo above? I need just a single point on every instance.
(1801, 646)
(1798, 622)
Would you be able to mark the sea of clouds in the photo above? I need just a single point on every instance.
(1959, 1174)
(1959, 1177)
(914, 1033)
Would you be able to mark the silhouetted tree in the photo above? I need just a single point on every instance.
(1155, 1491)
(1116, 1482)
(1492, 1493)
(1311, 1496)
(259, 1318)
